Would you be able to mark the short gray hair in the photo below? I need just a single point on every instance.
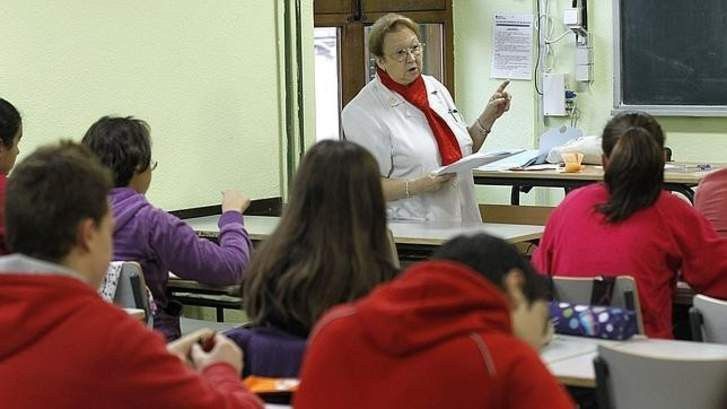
(388, 24)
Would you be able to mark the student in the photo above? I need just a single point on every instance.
(458, 331)
(629, 225)
(711, 200)
(159, 241)
(63, 346)
(330, 247)
(11, 130)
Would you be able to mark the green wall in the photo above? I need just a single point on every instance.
(692, 139)
(205, 75)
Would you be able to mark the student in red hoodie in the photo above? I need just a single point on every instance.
(459, 331)
(629, 225)
(62, 345)
(11, 130)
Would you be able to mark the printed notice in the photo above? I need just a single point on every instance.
(512, 51)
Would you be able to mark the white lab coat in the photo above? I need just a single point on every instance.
(399, 137)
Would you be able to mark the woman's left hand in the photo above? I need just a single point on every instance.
(498, 104)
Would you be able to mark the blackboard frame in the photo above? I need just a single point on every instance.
(656, 110)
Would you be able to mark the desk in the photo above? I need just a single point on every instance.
(413, 233)
(414, 240)
(137, 313)
(570, 359)
(674, 180)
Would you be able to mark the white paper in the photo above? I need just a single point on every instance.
(476, 159)
(512, 161)
(512, 51)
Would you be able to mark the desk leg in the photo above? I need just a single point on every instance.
(220, 314)
(515, 195)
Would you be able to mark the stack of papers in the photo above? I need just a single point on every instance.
(514, 161)
(475, 160)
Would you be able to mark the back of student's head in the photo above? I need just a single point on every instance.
(494, 258)
(633, 144)
(122, 144)
(48, 194)
(331, 244)
(9, 122)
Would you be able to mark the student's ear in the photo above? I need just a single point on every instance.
(604, 160)
(85, 233)
(380, 63)
(513, 283)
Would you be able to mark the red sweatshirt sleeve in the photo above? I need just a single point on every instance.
(703, 252)
(145, 375)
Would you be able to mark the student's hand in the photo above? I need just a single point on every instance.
(182, 347)
(234, 200)
(429, 183)
(498, 104)
(224, 350)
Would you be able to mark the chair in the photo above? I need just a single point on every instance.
(652, 377)
(124, 285)
(708, 319)
(584, 290)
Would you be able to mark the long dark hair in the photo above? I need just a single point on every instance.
(633, 143)
(331, 245)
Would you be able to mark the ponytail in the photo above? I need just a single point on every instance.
(634, 175)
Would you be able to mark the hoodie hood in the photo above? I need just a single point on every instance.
(432, 302)
(125, 204)
(34, 304)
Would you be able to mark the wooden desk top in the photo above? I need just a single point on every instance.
(418, 233)
(689, 176)
(570, 359)
(137, 313)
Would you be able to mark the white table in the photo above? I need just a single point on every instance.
(570, 359)
(413, 233)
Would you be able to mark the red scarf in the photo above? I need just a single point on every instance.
(416, 94)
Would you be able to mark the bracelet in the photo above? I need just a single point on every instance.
(483, 130)
(406, 189)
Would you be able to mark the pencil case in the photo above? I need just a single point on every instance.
(593, 321)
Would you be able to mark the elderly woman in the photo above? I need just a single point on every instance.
(409, 122)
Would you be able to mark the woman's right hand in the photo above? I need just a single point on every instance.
(224, 350)
(233, 200)
(430, 183)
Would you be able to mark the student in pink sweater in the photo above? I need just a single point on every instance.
(629, 225)
(711, 200)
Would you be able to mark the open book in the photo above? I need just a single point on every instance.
(475, 160)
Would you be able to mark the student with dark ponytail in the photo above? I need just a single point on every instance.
(629, 225)
(11, 130)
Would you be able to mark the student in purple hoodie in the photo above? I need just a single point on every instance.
(159, 241)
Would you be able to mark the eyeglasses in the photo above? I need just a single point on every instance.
(153, 164)
(415, 51)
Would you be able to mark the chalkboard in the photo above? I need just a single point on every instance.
(671, 56)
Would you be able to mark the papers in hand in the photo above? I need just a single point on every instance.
(475, 160)
(520, 159)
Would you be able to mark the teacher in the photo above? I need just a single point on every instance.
(410, 124)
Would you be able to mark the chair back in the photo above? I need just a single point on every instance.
(580, 290)
(655, 378)
(124, 285)
(708, 318)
